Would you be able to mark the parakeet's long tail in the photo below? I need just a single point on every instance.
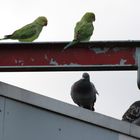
(6, 37)
(3, 38)
(71, 44)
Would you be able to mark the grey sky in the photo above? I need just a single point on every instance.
(115, 20)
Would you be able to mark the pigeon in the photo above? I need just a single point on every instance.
(83, 92)
(137, 121)
(132, 115)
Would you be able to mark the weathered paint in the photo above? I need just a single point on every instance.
(101, 53)
(123, 61)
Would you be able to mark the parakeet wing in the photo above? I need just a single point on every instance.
(25, 32)
(83, 31)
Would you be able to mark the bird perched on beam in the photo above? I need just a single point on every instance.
(29, 32)
(132, 115)
(83, 29)
(83, 92)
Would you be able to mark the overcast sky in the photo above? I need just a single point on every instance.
(115, 20)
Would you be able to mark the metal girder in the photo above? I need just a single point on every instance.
(85, 56)
(49, 56)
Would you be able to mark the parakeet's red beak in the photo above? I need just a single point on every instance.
(45, 24)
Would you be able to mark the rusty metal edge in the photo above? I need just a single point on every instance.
(106, 43)
(67, 68)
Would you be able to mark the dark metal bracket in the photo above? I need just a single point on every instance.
(138, 66)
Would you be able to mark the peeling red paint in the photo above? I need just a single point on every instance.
(36, 54)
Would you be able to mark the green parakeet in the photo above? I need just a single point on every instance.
(83, 29)
(29, 32)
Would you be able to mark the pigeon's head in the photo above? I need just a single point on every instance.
(85, 76)
(42, 20)
(137, 103)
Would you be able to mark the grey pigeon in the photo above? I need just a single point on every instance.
(83, 92)
(132, 115)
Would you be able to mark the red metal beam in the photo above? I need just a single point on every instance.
(43, 56)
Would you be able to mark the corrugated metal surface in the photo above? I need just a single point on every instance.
(2, 115)
(32, 116)
(30, 123)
